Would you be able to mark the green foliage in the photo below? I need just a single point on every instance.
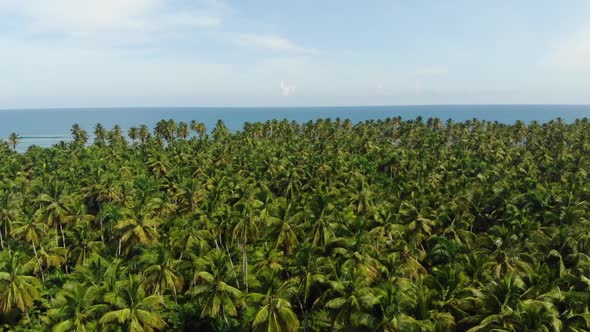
(384, 225)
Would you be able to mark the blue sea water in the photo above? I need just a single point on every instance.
(45, 127)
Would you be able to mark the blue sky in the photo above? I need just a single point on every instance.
(102, 53)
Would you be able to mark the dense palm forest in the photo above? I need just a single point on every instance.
(385, 225)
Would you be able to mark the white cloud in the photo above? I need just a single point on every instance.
(80, 17)
(436, 70)
(573, 53)
(286, 89)
(192, 20)
(272, 42)
(73, 15)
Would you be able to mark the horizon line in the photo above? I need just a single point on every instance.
(74, 108)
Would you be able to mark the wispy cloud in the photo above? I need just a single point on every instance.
(286, 89)
(435, 70)
(272, 42)
(573, 53)
(75, 17)
(189, 19)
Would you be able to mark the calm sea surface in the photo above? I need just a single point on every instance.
(45, 127)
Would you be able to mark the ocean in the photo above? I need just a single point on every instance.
(45, 127)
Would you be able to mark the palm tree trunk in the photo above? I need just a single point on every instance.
(1, 241)
(224, 317)
(63, 237)
(192, 203)
(231, 263)
(245, 265)
(101, 231)
(7, 239)
(38, 262)
(304, 311)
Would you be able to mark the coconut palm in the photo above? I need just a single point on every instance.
(79, 135)
(199, 128)
(18, 289)
(133, 134)
(247, 228)
(76, 308)
(13, 140)
(131, 309)
(9, 213)
(30, 230)
(211, 289)
(143, 133)
(100, 134)
(182, 130)
(275, 315)
(138, 225)
(160, 275)
(351, 301)
(55, 207)
(115, 136)
(389, 225)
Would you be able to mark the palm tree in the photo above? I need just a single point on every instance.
(311, 273)
(497, 301)
(159, 164)
(133, 133)
(55, 207)
(275, 312)
(76, 308)
(51, 255)
(420, 309)
(351, 301)
(115, 136)
(130, 308)
(209, 287)
(9, 213)
(385, 225)
(170, 130)
(100, 134)
(30, 229)
(86, 243)
(220, 131)
(143, 133)
(190, 234)
(275, 315)
(284, 224)
(166, 129)
(160, 275)
(79, 135)
(534, 315)
(160, 129)
(138, 225)
(18, 289)
(188, 193)
(13, 140)
(323, 213)
(246, 229)
(183, 130)
(199, 128)
(529, 315)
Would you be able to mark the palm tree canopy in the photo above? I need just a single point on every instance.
(330, 225)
